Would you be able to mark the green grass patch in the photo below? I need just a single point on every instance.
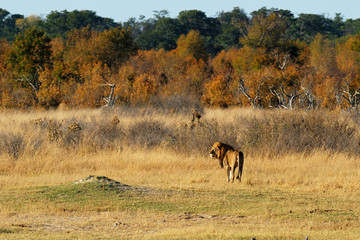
(240, 213)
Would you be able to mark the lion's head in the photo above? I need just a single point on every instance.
(214, 152)
(218, 151)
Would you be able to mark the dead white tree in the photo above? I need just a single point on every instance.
(286, 100)
(351, 97)
(310, 98)
(255, 100)
(111, 99)
(31, 80)
(281, 59)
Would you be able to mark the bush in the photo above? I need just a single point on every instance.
(147, 134)
(289, 131)
(12, 144)
(107, 134)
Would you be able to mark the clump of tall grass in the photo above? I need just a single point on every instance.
(147, 134)
(11, 144)
(103, 135)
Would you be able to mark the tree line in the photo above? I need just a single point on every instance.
(268, 59)
(161, 31)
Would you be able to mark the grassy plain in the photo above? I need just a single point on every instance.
(298, 181)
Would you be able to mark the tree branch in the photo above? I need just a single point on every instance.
(110, 100)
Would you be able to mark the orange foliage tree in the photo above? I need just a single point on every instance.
(221, 89)
(91, 92)
(252, 74)
(192, 45)
(144, 87)
(171, 74)
(348, 64)
(114, 46)
(30, 54)
(81, 65)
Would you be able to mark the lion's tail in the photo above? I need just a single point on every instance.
(241, 163)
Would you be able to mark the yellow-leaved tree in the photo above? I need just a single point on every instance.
(192, 45)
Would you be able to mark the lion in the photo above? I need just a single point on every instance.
(232, 159)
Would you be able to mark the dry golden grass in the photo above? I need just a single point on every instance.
(319, 171)
(287, 194)
(160, 166)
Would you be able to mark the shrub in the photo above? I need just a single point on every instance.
(106, 134)
(147, 133)
(288, 131)
(12, 144)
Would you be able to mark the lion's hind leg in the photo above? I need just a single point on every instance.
(233, 173)
(228, 173)
(240, 166)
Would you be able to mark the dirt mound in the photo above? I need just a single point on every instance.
(102, 180)
(112, 184)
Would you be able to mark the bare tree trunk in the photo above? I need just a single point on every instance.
(352, 98)
(255, 101)
(110, 100)
(310, 98)
(35, 84)
(285, 100)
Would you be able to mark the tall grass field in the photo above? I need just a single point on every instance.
(301, 174)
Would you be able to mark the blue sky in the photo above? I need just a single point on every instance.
(122, 10)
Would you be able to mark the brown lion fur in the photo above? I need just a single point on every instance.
(218, 151)
(228, 156)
